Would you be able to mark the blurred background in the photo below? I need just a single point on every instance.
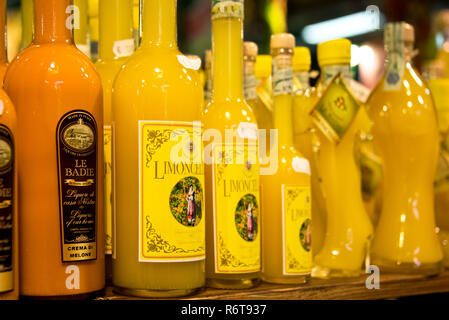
(311, 21)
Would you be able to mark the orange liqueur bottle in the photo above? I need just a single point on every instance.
(9, 258)
(58, 98)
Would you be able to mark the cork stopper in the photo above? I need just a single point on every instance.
(250, 49)
(283, 41)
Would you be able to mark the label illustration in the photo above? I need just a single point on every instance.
(76, 137)
(6, 209)
(107, 131)
(171, 193)
(336, 110)
(236, 209)
(296, 218)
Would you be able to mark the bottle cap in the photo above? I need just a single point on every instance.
(250, 49)
(334, 52)
(302, 59)
(263, 66)
(283, 40)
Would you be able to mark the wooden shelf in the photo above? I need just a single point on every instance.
(391, 286)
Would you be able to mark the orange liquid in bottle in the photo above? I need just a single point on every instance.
(58, 98)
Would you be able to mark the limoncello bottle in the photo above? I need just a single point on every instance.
(159, 223)
(9, 226)
(305, 138)
(27, 13)
(338, 118)
(439, 89)
(286, 194)
(81, 28)
(60, 116)
(263, 115)
(232, 169)
(116, 44)
(406, 137)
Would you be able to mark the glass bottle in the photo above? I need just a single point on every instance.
(286, 194)
(406, 137)
(348, 226)
(60, 116)
(159, 223)
(233, 215)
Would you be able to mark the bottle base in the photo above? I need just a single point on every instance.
(287, 279)
(154, 294)
(425, 269)
(327, 273)
(232, 284)
(82, 296)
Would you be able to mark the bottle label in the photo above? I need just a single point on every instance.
(77, 138)
(297, 227)
(236, 208)
(171, 192)
(123, 48)
(6, 209)
(227, 9)
(336, 110)
(396, 59)
(282, 75)
(250, 87)
(107, 134)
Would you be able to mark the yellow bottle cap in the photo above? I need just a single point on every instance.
(283, 40)
(263, 66)
(334, 52)
(302, 60)
(250, 49)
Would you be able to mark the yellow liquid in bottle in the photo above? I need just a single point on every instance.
(116, 45)
(228, 110)
(406, 136)
(153, 86)
(348, 227)
(286, 197)
(262, 106)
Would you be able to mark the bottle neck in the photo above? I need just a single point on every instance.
(50, 18)
(400, 54)
(3, 56)
(303, 79)
(227, 43)
(159, 23)
(27, 12)
(250, 82)
(116, 29)
(328, 72)
(283, 98)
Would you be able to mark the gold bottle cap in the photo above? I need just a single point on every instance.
(250, 49)
(283, 40)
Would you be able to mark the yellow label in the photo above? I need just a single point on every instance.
(107, 130)
(336, 110)
(236, 209)
(171, 192)
(296, 218)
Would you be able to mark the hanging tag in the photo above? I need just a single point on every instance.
(336, 110)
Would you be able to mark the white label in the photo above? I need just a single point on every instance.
(250, 87)
(123, 48)
(396, 60)
(190, 63)
(301, 165)
(282, 76)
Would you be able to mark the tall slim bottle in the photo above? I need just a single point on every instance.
(159, 249)
(233, 213)
(60, 116)
(115, 46)
(27, 13)
(348, 227)
(9, 227)
(286, 194)
(406, 136)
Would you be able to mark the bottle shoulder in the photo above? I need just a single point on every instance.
(228, 114)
